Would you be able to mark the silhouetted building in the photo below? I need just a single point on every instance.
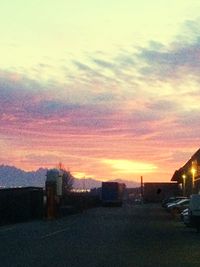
(156, 192)
(188, 176)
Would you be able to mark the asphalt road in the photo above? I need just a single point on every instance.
(131, 236)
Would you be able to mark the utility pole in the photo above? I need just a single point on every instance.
(184, 177)
(141, 187)
(84, 183)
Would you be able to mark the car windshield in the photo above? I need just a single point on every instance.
(183, 201)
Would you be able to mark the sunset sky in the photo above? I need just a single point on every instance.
(108, 87)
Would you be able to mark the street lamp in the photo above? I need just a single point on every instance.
(184, 177)
(193, 171)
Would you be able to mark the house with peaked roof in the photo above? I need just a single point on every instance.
(188, 176)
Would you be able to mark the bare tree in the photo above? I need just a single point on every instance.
(68, 181)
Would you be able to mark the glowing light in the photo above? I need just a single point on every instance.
(193, 171)
(183, 176)
(82, 175)
(127, 166)
(81, 190)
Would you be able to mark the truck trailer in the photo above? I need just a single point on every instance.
(112, 193)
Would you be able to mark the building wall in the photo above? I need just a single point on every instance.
(192, 164)
(156, 192)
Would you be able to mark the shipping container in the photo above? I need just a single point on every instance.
(112, 193)
(21, 204)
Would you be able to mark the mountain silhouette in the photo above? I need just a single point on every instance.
(11, 176)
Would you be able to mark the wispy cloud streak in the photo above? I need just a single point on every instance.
(140, 105)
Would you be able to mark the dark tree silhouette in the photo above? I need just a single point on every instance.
(68, 181)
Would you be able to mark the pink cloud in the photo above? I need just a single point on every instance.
(97, 116)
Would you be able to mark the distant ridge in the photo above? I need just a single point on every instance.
(11, 176)
(129, 184)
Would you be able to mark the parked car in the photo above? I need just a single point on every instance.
(171, 200)
(175, 201)
(178, 206)
(194, 211)
(185, 217)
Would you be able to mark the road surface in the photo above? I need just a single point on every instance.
(131, 236)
